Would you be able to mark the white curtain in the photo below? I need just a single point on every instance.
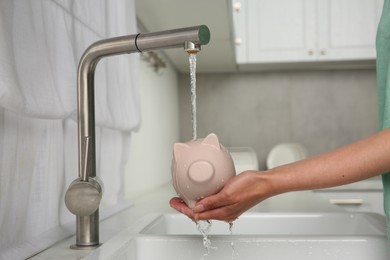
(41, 44)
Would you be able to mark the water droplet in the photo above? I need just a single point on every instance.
(232, 241)
(231, 227)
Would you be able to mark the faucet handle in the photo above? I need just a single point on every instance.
(85, 193)
(83, 197)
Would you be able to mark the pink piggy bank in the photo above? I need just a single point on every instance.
(200, 168)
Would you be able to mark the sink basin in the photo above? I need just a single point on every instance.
(255, 236)
(275, 224)
(248, 248)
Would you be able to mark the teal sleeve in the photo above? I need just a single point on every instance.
(382, 66)
(383, 81)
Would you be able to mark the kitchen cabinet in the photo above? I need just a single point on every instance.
(363, 196)
(290, 31)
(355, 201)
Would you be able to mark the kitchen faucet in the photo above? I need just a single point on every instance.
(84, 194)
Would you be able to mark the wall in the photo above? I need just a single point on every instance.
(320, 109)
(150, 154)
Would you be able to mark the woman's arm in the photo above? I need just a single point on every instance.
(358, 161)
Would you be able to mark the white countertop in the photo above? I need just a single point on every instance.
(158, 202)
(371, 184)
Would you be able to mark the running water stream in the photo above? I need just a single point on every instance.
(203, 226)
(192, 59)
(232, 241)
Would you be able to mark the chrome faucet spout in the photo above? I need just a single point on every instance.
(84, 194)
(197, 35)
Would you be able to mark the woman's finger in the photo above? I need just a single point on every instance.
(181, 206)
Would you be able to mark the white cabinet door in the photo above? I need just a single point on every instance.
(280, 30)
(289, 31)
(347, 29)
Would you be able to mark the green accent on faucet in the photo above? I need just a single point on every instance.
(204, 34)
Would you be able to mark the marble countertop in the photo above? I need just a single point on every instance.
(157, 202)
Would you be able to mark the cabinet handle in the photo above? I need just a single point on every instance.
(237, 6)
(310, 52)
(238, 41)
(355, 202)
(323, 52)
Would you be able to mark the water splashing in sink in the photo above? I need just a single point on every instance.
(204, 228)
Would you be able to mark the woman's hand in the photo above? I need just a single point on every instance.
(239, 194)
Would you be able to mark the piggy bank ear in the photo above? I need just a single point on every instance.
(212, 140)
(179, 149)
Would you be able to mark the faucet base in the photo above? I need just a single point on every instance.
(87, 232)
(78, 247)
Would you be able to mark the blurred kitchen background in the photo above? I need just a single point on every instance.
(273, 72)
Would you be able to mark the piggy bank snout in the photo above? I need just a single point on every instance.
(201, 171)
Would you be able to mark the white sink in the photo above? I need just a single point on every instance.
(248, 248)
(275, 224)
(255, 236)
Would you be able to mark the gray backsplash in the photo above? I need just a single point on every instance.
(322, 110)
